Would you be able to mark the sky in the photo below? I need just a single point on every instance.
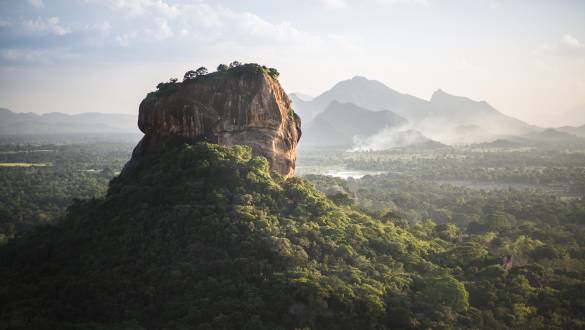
(524, 57)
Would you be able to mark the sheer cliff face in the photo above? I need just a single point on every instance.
(243, 106)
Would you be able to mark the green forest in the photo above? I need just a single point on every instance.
(31, 195)
(227, 244)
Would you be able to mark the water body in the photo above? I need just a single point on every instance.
(355, 174)
(336, 171)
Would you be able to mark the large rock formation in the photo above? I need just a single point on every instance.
(244, 105)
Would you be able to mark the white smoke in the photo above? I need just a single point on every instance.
(449, 132)
(389, 138)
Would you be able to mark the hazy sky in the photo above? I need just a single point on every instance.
(525, 57)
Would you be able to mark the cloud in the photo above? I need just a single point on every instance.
(566, 45)
(5, 23)
(34, 56)
(141, 7)
(104, 28)
(494, 4)
(333, 4)
(179, 29)
(164, 29)
(124, 39)
(36, 3)
(162, 21)
(571, 42)
(413, 2)
(51, 25)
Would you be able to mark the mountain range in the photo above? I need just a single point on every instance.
(340, 123)
(578, 131)
(12, 123)
(369, 94)
(445, 118)
(357, 113)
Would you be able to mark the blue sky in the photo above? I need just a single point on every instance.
(525, 57)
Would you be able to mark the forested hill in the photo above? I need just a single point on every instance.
(203, 236)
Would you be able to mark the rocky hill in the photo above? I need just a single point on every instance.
(241, 105)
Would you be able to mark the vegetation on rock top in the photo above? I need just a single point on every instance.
(234, 69)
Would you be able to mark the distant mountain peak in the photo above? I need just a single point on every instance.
(362, 82)
(442, 110)
(440, 94)
(29, 123)
(360, 78)
(301, 96)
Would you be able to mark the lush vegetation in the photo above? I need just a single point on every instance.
(33, 195)
(517, 245)
(205, 237)
(559, 171)
(542, 234)
(235, 69)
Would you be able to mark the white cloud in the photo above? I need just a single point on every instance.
(414, 2)
(51, 25)
(104, 28)
(124, 39)
(333, 4)
(494, 4)
(36, 56)
(199, 20)
(566, 45)
(190, 27)
(4, 23)
(36, 3)
(164, 29)
(571, 42)
(141, 7)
